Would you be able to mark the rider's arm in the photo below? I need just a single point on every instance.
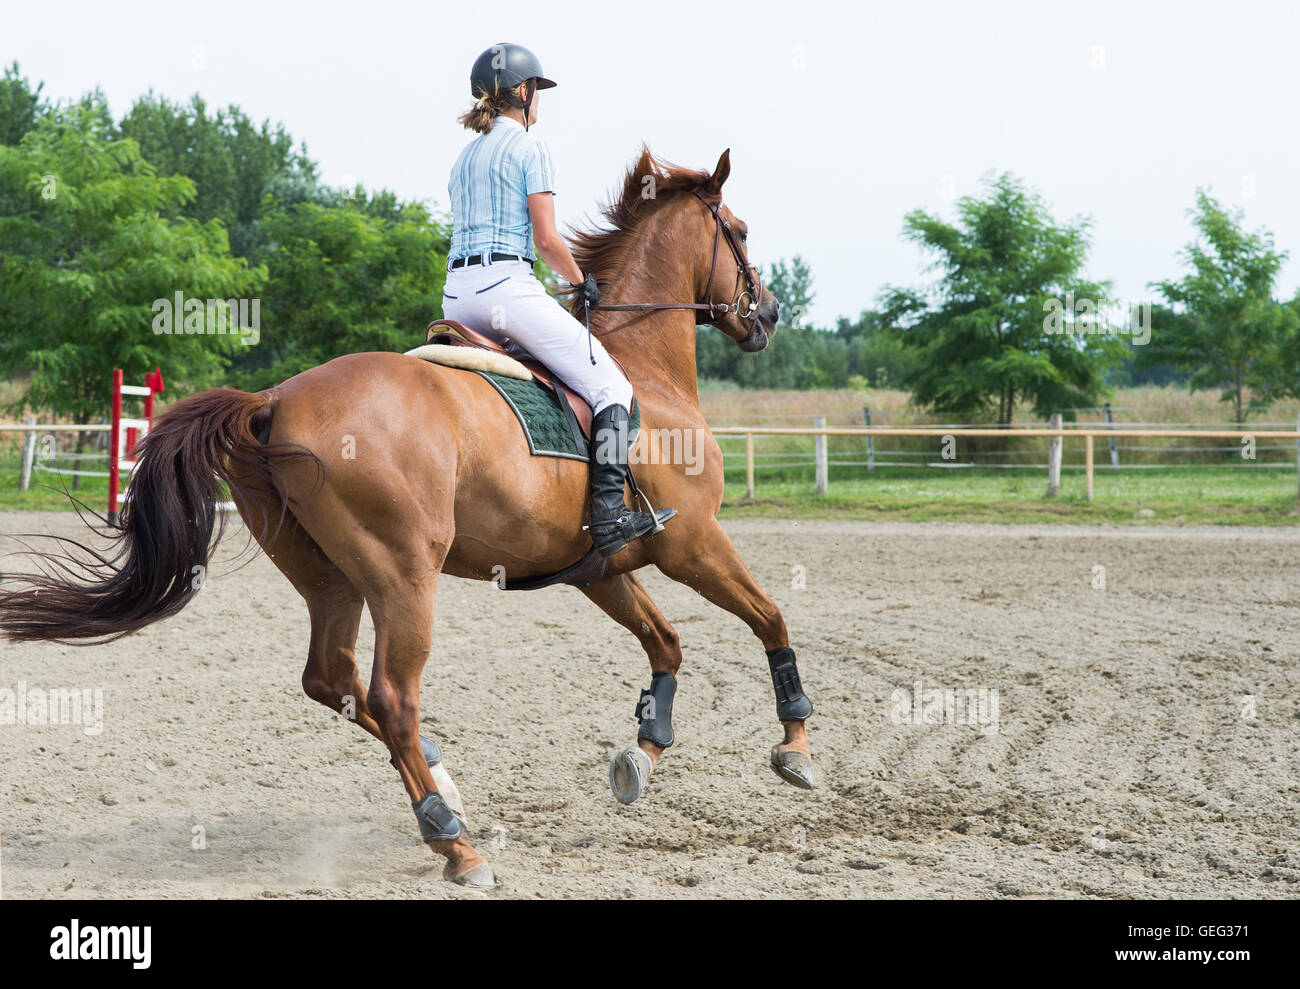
(550, 245)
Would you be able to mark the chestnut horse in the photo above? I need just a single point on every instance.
(368, 477)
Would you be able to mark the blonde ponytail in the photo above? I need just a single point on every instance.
(479, 117)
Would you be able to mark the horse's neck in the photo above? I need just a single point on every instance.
(657, 348)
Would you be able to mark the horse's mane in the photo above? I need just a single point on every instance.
(603, 250)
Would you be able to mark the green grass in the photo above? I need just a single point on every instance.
(46, 493)
(1194, 495)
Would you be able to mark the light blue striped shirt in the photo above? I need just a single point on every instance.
(489, 188)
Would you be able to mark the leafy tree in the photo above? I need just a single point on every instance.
(360, 276)
(981, 338)
(1222, 325)
(20, 105)
(798, 356)
(877, 352)
(233, 162)
(1290, 353)
(792, 286)
(85, 251)
(95, 103)
(785, 363)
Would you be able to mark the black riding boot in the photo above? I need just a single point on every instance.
(613, 524)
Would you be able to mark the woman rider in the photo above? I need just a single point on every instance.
(501, 192)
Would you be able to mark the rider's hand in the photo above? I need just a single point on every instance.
(588, 291)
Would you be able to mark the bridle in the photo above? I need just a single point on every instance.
(751, 293)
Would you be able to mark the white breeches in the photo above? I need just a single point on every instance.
(506, 302)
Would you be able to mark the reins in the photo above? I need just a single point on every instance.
(752, 291)
(716, 310)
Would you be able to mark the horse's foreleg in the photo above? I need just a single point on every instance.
(624, 599)
(703, 559)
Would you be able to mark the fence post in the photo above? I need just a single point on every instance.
(29, 453)
(1087, 462)
(1054, 458)
(749, 465)
(819, 444)
(871, 442)
(1114, 447)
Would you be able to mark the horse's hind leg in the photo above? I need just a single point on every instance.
(624, 599)
(403, 612)
(330, 676)
(703, 558)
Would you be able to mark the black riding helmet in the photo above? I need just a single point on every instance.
(503, 67)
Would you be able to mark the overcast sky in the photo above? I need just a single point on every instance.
(841, 117)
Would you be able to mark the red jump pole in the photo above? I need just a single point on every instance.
(155, 383)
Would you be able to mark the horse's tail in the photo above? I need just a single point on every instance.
(170, 525)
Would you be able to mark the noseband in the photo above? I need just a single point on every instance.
(749, 295)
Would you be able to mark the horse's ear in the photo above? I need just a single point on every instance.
(645, 160)
(714, 185)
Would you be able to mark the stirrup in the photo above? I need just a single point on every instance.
(659, 521)
(618, 532)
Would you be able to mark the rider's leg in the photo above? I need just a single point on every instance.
(509, 302)
(613, 524)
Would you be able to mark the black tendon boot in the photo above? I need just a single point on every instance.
(613, 524)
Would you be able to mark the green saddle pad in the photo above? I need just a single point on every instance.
(545, 424)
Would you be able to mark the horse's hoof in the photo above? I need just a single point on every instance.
(449, 792)
(479, 877)
(793, 767)
(628, 773)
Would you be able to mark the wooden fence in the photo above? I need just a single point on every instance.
(1054, 433)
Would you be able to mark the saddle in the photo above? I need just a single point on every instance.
(448, 332)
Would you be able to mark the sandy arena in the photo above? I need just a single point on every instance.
(1147, 739)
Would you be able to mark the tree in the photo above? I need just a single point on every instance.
(1222, 324)
(1290, 351)
(20, 105)
(88, 248)
(233, 162)
(877, 352)
(980, 335)
(342, 279)
(792, 286)
(798, 355)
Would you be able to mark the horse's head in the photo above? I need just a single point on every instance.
(727, 275)
(668, 233)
